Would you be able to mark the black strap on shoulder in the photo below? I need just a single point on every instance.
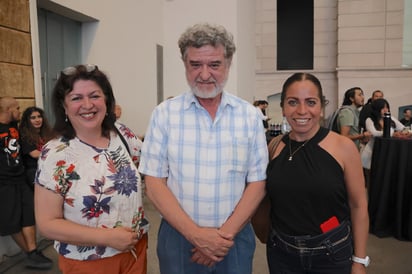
(123, 140)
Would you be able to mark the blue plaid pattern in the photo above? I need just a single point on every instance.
(207, 162)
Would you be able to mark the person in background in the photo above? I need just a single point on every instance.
(366, 110)
(117, 111)
(204, 159)
(35, 132)
(374, 124)
(348, 116)
(118, 123)
(407, 117)
(262, 105)
(319, 212)
(16, 197)
(88, 193)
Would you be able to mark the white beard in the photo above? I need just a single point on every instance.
(206, 94)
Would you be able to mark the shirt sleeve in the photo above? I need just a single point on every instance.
(371, 128)
(53, 171)
(154, 151)
(346, 118)
(398, 124)
(258, 153)
(26, 148)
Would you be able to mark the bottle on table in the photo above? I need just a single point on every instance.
(387, 125)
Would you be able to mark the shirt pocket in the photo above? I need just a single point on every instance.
(238, 155)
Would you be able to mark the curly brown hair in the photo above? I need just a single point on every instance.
(29, 133)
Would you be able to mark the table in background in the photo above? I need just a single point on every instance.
(390, 191)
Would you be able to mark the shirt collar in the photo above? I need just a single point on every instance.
(191, 100)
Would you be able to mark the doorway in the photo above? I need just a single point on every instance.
(60, 46)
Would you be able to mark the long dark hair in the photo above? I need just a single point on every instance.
(64, 85)
(31, 135)
(350, 94)
(376, 116)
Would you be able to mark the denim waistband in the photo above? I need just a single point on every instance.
(322, 241)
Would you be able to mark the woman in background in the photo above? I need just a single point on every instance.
(34, 132)
(88, 192)
(316, 188)
(374, 124)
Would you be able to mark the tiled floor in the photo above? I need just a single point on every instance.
(389, 256)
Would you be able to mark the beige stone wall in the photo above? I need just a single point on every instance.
(356, 43)
(370, 34)
(268, 80)
(16, 70)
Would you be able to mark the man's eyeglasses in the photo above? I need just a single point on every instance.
(72, 70)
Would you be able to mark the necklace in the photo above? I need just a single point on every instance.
(296, 150)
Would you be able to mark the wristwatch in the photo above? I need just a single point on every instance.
(365, 261)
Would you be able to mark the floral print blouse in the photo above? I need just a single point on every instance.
(101, 187)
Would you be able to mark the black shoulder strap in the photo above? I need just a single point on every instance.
(332, 119)
(333, 122)
(123, 140)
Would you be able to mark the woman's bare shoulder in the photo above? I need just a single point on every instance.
(339, 140)
(340, 147)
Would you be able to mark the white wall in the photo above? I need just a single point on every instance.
(246, 50)
(122, 42)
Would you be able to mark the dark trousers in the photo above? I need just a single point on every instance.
(330, 252)
(174, 253)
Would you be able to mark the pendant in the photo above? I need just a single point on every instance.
(290, 158)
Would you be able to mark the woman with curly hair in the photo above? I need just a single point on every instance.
(35, 132)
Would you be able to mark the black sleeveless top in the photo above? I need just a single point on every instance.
(307, 190)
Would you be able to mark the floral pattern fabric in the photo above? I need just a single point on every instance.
(101, 187)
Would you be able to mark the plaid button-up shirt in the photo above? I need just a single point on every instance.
(207, 162)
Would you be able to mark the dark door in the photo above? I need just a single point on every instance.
(60, 46)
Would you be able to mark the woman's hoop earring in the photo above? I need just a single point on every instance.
(66, 120)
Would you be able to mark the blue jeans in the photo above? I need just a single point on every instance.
(326, 253)
(174, 253)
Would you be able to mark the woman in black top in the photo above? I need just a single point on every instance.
(316, 187)
(35, 132)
